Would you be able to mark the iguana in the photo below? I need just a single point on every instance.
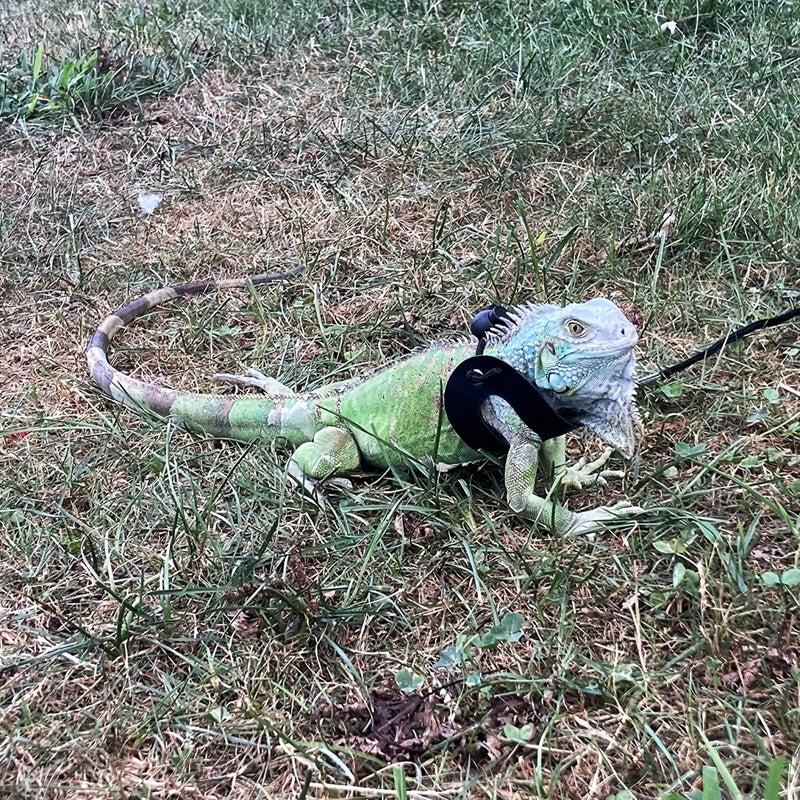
(581, 354)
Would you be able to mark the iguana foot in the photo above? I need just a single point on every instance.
(602, 518)
(583, 473)
(255, 379)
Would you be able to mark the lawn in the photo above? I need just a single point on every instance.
(174, 620)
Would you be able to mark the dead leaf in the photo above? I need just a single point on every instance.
(742, 678)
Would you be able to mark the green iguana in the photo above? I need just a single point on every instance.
(582, 354)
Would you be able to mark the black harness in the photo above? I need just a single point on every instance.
(477, 378)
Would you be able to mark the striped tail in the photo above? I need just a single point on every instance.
(211, 415)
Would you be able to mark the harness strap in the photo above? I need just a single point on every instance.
(476, 379)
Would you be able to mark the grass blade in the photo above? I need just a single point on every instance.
(772, 788)
(35, 72)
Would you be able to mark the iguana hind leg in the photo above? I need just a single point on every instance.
(257, 380)
(331, 453)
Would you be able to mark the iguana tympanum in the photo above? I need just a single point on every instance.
(581, 355)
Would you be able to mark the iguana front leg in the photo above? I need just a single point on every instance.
(521, 467)
(522, 464)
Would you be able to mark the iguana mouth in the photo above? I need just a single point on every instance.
(604, 353)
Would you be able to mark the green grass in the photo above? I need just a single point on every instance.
(174, 620)
(75, 86)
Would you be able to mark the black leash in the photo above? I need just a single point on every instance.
(715, 347)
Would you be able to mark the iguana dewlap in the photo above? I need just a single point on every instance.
(582, 353)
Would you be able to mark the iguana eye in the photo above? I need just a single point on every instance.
(575, 328)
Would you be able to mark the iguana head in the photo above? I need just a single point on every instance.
(581, 357)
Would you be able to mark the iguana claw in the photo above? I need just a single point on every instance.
(583, 473)
(313, 487)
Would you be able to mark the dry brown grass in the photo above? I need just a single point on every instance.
(174, 624)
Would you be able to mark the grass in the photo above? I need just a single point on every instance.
(175, 622)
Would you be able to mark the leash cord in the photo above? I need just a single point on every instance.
(715, 347)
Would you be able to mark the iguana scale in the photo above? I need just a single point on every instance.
(582, 354)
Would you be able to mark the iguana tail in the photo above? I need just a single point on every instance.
(226, 416)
